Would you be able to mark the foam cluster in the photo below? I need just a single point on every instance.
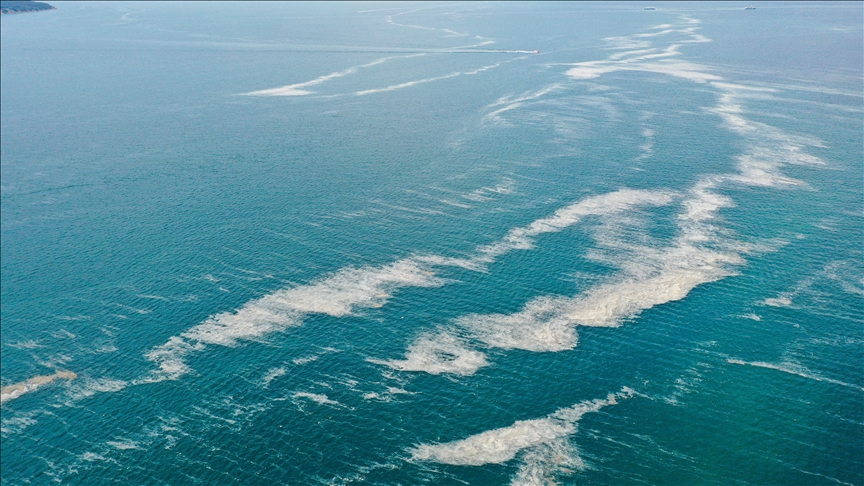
(538, 440)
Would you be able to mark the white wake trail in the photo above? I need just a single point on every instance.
(298, 88)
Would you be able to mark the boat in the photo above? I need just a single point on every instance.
(650, 8)
(536, 51)
(749, 7)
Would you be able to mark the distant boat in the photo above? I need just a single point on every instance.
(650, 8)
(749, 7)
(536, 51)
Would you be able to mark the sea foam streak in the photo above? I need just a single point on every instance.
(354, 288)
(445, 353)
(409, 84)
(441, 353)
(547, 323)
(602, 205)
(536, 437)
(338, 295)
(12, 392)
(297, 89)
(793, 369)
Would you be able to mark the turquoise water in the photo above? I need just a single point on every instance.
(388, 243)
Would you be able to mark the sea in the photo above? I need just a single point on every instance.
(439, 243)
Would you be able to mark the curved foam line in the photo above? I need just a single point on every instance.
(501, 445)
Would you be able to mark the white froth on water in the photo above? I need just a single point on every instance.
(501, 445)
(90, 386)
(507, 186)
(124, 444)
(271, 375)
(511, 102)
(794, 369)
(316, 397)
(436, 354)
(638, 55)
(539, 326)
(297, 89)
(652, 276)
(778, 301)
(350, 289)
(409, 84)
(92, 457)
(542, 464)
(12, 392)
(304, 360)
(602, 205)
(495, 446)
(338, 295)
(16, 424)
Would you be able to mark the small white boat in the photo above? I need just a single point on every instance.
(749, 7)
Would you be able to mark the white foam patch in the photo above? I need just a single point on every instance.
(91, 386)
(778, 302)
(338, 295)
(547, 323)
(770, 148)
(682, 269)
(92, 457)
(507, 186)
(352, 288)
(304, 360)
(511, 102)
(794, 369)
(606, 204)
(655, 276)
(271, 375)
(436, 354)
(124, 444)
(16, 424)
(12, 392)
(651, 276)
(502, 445)
(26, 345)
(540, 326)
(641, 56)
(495, 446)
(317, 398)
(387, 395)
(541, 465)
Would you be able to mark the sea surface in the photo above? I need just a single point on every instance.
(390, 243)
